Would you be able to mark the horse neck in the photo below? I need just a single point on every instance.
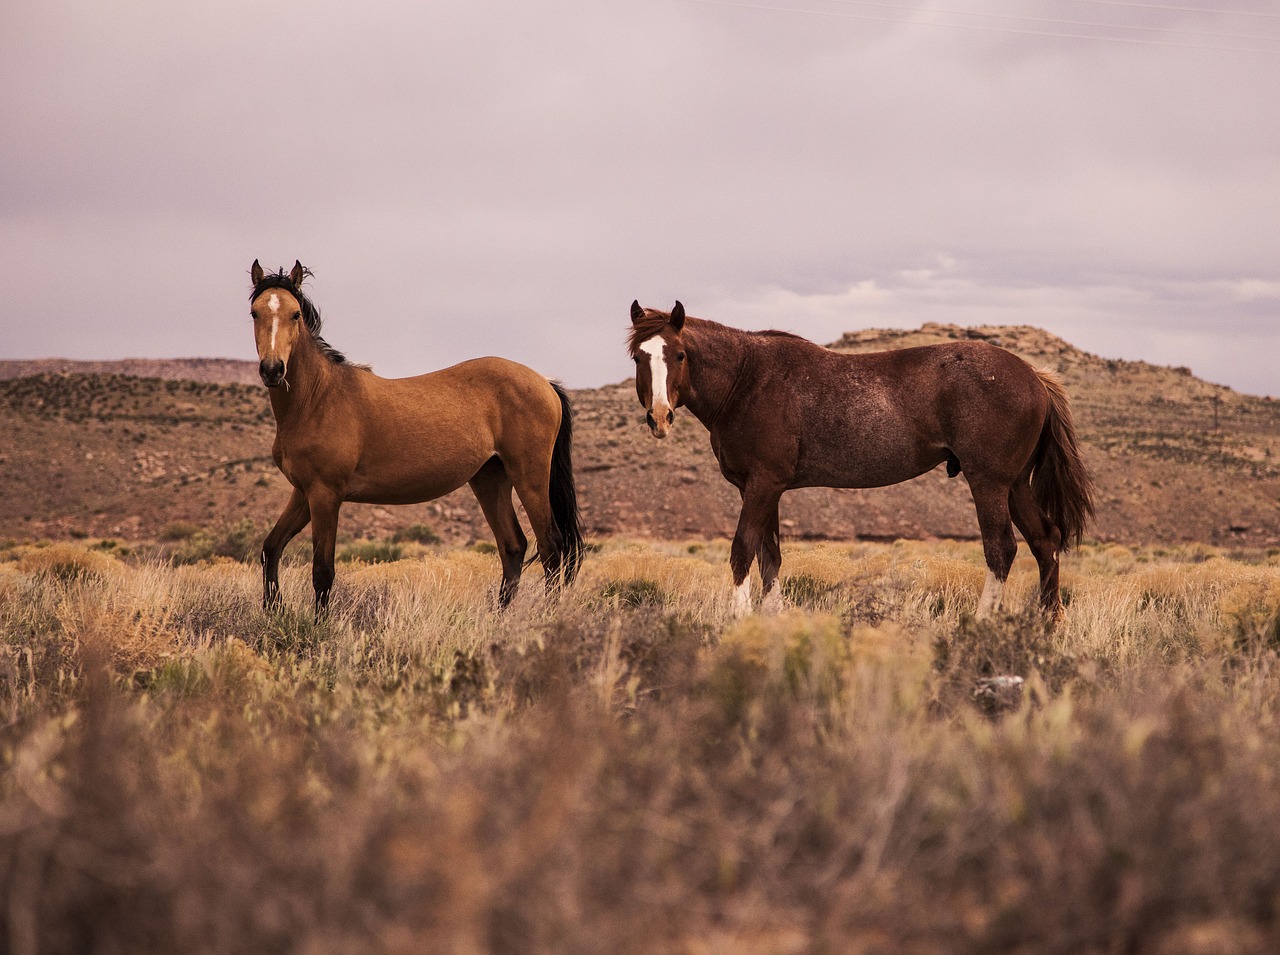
(310, 376)
(717, 359)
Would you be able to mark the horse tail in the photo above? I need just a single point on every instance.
(1060, 483)
(564, 493)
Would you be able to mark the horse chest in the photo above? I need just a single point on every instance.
(288, 464)
(305, 462)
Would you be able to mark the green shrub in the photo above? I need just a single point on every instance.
(371, 552)
(179, 531)
(805, 590)
(240, 541)
(636, 592)
(416, 534)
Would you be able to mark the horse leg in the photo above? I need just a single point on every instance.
(759, 502)
(295, 516)
(1044, 540)
(492, 488)
(999, 546)
(769, 560)
(535, 496)
(324, 504)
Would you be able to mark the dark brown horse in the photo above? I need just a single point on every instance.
(345, 434)
(786, 413)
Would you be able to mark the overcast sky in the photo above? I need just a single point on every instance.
(471, 177)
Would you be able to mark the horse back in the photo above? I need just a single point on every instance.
(484, 397)
(420, 437)
(877, 418)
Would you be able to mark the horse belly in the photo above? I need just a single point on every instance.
(870, 452)
(409, 474)
(840, 471)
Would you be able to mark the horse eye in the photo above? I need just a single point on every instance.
(296, 316)
(680, 357)
(636, 359)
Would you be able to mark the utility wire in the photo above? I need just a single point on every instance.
(1085, 24)
(1131, 41)
(1176, 9)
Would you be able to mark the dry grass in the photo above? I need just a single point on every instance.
(627, 769)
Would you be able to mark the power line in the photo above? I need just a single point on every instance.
(1131, 41)
(1178, 9)
(1086, 24)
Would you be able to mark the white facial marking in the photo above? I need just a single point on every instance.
(273, 303)
(989, 602)
(657, 370)
(742, 598)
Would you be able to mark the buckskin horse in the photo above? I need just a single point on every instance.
(346, 434)
(785, 413)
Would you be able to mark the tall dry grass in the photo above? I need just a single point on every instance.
(627, 768)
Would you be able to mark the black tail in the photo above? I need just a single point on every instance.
(564, 494)
(1060, 483)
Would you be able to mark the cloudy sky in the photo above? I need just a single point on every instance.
(468, 177)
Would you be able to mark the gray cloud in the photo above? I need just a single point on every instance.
(472, 178)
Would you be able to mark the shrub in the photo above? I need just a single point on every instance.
(370, 552)
(636, 592)
(416, 534)
(806, 590)
(67, 564)
(240, 541)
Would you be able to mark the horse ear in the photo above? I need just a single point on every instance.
(637, 312)
(297, 274)
(677, 317)
(255, 273)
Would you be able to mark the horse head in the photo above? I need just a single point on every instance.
(276, 306)
(662, 373)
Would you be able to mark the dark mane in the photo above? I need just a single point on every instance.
(654, 321)
(310, 314)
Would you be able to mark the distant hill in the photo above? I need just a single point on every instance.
(219, 370)
(110, 453)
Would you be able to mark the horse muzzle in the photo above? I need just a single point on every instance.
(271, 373)
(661, 424)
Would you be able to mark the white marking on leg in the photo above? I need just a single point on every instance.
(657, 369)
(989, 602)
(742, 598)
(773, 602)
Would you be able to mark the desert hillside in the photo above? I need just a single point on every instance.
(113, 453)
(219, 370)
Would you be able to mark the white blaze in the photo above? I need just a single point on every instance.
(273, 303)
(657, 370)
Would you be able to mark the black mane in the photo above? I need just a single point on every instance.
(310, 314)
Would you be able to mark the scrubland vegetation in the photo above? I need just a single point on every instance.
(627, 769)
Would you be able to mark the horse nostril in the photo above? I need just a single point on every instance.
(649, 419)
(671, 417)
